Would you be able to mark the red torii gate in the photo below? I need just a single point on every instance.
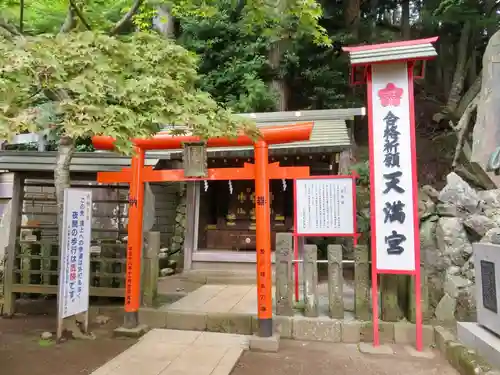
(262, 171)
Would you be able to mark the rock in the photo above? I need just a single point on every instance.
(46, 335)
(448, 210)
(164, 250)
(445, 310)
(426, 207)
(102, 319)
(492, 236)
(431, 192)
(454, 284)
(172, 264)
(459, 193)
(490, 198)
(478, 225)
(167, 272)
(162, 256)
(466, 305)
(428, 247)
(452, 240)
(453, 270)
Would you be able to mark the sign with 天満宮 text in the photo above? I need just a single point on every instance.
(324, 206)
(392, 168)
(74, 271)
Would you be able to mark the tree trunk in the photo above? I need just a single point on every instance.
(460, 69)
(373, 16)
(352, 16)
(469, 95)
(164, 22)
(278, 84)
(405, 20)
(61, 182)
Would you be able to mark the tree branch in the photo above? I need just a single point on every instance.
(79, 14)
(126, 18)
(69, 21)
(462, 127)
(12, 30)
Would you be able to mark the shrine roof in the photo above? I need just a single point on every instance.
(419, 49)
(84, 162)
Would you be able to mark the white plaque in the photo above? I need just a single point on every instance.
(74, 270)
(392, 169)
(324, 206)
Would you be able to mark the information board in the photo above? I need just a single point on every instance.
(74, 271)
(324, 206)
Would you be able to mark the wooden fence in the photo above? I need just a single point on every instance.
(32, 265)
(396, 292)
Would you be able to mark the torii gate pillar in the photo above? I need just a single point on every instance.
(388, 70)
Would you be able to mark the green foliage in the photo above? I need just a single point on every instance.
(233, 64)
(89, 83)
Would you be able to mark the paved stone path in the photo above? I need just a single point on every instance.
(222, 298)
(170, 352)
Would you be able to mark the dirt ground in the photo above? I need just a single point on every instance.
(22, 352)
(306, 358)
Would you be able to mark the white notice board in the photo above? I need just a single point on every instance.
(74, 270)
(324, 206)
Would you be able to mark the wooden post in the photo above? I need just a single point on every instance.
(151, 269)
(311, 298)
(361, 283)
(284, 274)
(15, 222)
(335, 282)
(389, 301)
(424, 301)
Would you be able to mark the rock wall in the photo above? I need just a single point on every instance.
(450, 221)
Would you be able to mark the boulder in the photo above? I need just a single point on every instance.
(431, 193)
(490, 198)
(465, 310)
(459, 193)
(492, 236)
(455, 284)
(445, 310)
(426, 206)
(478, 225)
(452, 241)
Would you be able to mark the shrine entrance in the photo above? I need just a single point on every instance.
(261, 172)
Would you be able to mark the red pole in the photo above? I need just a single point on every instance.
(263, 234)
(134, 242)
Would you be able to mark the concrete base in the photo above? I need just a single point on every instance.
(426, 353)
(265, 344)
(135, 332)
(368, 348)
(484, 342)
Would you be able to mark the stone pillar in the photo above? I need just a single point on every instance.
(284, 274)
(424, 285)
(361, 283)
(389, 302)
(311, 298)
(335, 282)
(151, 269)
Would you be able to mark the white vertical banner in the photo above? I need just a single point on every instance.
(74, 268)
(391, 167)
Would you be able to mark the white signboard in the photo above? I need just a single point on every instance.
(74, 271)
(324, 206)
(393, 172)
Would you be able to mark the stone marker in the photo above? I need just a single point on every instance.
(284, 274)
(335, 282)
(311, 298)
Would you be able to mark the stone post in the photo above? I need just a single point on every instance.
(424, 285)
(335, 282)
(361, 283)
(311, 298)
(151, 269)
(389, 301)
(284, 274)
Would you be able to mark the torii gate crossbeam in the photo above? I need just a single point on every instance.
(262, 171)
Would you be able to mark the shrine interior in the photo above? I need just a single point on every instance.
(227, 209)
